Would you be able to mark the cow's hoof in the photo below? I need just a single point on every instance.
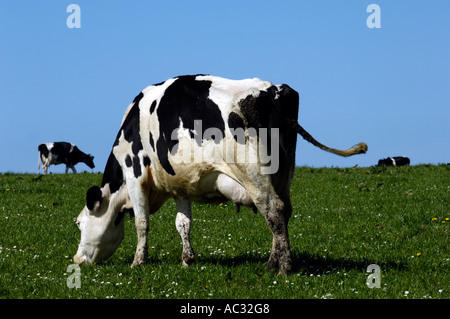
(285, 268)
(272, 264)
(137, 263)
(188, 261)
(284, 271)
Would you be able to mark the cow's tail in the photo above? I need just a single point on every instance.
(360, 148)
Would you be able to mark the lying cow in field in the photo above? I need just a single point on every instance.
(198, 138)
(62, 153)
(394, 161)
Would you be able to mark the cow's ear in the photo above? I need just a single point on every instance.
(93, 198)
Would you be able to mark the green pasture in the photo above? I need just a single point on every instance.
(343, 221)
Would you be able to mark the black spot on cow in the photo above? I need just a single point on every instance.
(119, 218)
(257, 110)
(274, 105)
(152, 107)
(162, 149)
(187, 100)
(287, 103)
(236, 124)
(130, 126)
(113, 174)
(235, 121)
(128, 161)
(138, 98)
(130, 130)
(147, 161)
(93, 196)
(160, 83)
(137, 167)
(152, 143)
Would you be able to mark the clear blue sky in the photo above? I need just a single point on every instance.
(388, 87)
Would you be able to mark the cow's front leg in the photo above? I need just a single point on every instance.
(183, 223)
(141, 255)
(71, 167)
(141, 211)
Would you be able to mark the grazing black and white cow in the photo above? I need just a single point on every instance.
(198, 138)
(62, 153)
(394, 161)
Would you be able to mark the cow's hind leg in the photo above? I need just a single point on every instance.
(277, 218)
(183, 223)
(45, 163)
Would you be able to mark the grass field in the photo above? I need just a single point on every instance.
(343, 221)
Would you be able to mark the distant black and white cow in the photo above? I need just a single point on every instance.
(62, 153)
(394, 161)
(198, 138)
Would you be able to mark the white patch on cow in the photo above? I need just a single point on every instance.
(227, 93)
(121, 150)
(232, 190)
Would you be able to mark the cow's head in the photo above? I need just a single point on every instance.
(102, 225)
(89, 160)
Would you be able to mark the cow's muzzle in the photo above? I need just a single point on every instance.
(80, 260)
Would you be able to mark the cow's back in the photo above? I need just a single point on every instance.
(184, 130)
